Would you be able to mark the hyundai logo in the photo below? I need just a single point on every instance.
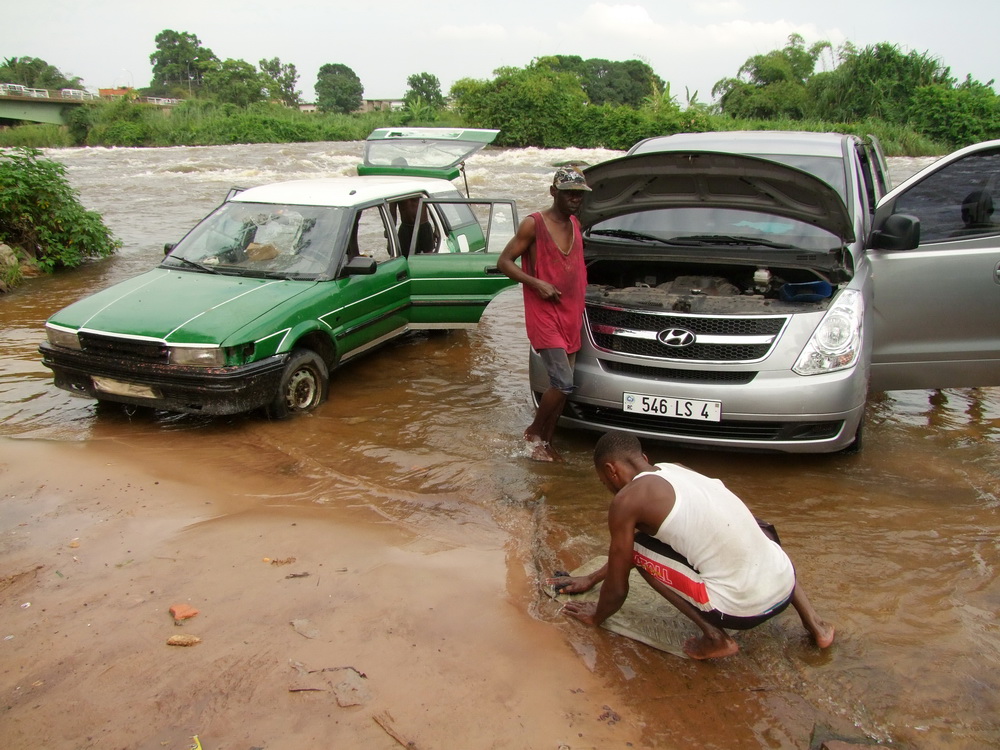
(676, 337)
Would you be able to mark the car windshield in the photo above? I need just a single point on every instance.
(713, 227)
(263, 239)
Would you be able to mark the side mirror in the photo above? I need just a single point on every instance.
(896, 232)
(359, 265)
(168, 247)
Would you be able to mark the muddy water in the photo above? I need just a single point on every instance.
(897, 546)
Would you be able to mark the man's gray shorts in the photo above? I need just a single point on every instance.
(559, 366)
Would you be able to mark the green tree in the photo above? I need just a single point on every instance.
(338, 89)
(427, 88)
(279, 81)
(627, 83)
(533, 106)
(607, 81)
(235, 82)
(180, 62)
(772, 85)
(35, 73)
(878, 81)
(41, 215)
(959, 116)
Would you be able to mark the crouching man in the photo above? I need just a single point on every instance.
(696, 544)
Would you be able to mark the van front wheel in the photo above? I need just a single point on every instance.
(304, 385)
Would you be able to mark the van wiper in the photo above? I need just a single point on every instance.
(627, 234)
(730, 239)
(192, 264)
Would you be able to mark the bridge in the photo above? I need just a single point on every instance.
(41, 105)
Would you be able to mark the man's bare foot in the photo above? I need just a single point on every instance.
(823, 634)
(710, 648)
(541, 450)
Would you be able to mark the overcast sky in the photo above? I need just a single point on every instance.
(690, 45)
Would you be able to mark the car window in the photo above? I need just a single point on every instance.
(404, 215)
(471, 225)
(372, 236)
(957, 201)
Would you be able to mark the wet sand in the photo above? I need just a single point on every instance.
(101, 547)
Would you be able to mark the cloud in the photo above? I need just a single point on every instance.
(719, 8)
(621, 21)
(489, 32)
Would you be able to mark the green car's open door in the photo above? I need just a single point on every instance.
(450, 288)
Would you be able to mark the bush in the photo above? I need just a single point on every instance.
(42, 216)
(36, 135)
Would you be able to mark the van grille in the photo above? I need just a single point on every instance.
(718, 338)
(673, 375)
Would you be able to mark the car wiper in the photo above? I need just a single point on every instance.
(627, 234)
(730, 239)
(193, 264)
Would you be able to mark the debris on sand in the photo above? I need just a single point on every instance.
(183, 640)
(182, 612)
(303, 628)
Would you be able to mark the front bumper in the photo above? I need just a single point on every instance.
(772, 411)
(192, 390)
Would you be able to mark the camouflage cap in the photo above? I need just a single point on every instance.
(569, 178)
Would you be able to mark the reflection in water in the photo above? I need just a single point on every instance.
(897, 545)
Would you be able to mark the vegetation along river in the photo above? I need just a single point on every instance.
(898, 545)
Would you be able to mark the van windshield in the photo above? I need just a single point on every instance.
(693, 227)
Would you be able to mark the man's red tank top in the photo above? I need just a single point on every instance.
(551, 324)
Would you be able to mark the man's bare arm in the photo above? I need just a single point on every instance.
(614, 589)
(520, 244)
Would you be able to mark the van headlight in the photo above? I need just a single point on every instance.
(836, 342)
(196, 356)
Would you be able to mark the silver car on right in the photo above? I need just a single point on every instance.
(747, 290)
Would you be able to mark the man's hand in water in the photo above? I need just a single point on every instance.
(582, 611)
(567, 584)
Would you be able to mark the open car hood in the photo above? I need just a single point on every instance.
(692, 179)
(422, 152)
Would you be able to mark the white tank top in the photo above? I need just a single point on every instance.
(745, 572)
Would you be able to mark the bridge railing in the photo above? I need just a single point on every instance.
(17, 90)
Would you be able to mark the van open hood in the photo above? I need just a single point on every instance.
(692, 179)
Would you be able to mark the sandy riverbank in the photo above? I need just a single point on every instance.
(101, 547)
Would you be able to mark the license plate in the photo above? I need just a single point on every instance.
(677, 408)
(119, 388)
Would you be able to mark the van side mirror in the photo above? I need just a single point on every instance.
(896, 232)
(168, 247)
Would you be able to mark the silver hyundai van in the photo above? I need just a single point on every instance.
(747, 290)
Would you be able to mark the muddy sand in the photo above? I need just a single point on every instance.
(428, 637)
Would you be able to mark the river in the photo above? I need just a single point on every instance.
(898, 545)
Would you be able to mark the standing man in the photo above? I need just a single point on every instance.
(553, 276)
(696, 544)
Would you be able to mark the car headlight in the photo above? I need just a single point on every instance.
(63, 337)
(836, 342)
(196, 356)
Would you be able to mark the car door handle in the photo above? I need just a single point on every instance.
(996, 274)
(493, 271)
(401, 275)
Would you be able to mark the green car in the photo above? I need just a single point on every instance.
(261, 300)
